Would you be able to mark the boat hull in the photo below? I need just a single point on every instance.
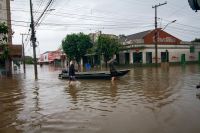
(93, 75)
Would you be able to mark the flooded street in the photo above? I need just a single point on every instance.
(147, 100)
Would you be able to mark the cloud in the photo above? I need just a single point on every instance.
(110, 16)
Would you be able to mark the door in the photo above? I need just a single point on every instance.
(199, 58)
(165, 56)
(148, 57)
(137, 57)
(182, 58)
(127, 58)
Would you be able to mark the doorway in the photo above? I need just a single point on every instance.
(148, 57)
(137, 57)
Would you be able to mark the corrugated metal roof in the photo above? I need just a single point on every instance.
(139, 35)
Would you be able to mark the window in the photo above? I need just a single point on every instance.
(192, 49)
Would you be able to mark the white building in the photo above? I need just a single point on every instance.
(140, 48)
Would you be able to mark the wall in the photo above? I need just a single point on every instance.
(163, 38)
(175, 52)
(3, 11)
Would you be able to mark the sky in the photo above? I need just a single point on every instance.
(110, 16)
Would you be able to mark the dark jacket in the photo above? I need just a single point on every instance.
(113, 71)
(71, 70)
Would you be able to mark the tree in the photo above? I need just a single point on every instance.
(3, 42)
(108, 46)
(76, 45)
(196, 40)
(28, 60)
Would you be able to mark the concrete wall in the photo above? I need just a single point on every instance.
(3, 11)
(174, 51)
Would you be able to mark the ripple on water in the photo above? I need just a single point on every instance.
(145, 100)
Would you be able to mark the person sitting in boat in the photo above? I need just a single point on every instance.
(71, 72)
(113, 71)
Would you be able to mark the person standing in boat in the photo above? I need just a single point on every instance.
(71, 72)
(113, 71)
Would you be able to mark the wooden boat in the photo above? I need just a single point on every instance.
(93, 74)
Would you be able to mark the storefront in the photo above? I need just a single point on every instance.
(141, 47)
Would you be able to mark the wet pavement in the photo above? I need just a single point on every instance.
(147, 100)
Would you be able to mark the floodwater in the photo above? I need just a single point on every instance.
(147, 100)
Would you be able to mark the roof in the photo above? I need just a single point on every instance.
(139, 35)
(47, 52)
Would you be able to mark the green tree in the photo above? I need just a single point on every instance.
(196, 40)
(3, 41)
(76, 46)
(28, 60)
(108, 46)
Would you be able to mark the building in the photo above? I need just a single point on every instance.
(15, 51)
(94, 36)
(56, 58)
(140, 48)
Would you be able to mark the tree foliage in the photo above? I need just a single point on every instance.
(28, 60)
(108, 46)
(196, 40)
(76, 46)
(3, 41)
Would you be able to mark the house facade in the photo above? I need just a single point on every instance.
(140, 48)
(15, 51)
(57, 58)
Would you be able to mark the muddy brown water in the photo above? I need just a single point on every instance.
(147, 100)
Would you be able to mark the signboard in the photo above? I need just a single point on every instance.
(163, 38)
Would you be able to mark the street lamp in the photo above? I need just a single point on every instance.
(168, 24)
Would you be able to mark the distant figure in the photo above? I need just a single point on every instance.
(113, 71)
(198, 90)
(87, 66)
(198, 86)
(71, 72)
(95, 67)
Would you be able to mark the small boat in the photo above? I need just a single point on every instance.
(93, 74)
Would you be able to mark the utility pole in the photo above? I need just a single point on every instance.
(23, 52)
(33, 39)
(156, 33)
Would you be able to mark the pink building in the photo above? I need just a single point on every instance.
(53, 57)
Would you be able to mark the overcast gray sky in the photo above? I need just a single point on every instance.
(109, 16)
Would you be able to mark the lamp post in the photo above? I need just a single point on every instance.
(168, 24)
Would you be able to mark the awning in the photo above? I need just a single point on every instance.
(15, 50)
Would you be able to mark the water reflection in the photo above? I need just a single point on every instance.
(113, 89)
(72, 90)
(152, 99)
(11, 102)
